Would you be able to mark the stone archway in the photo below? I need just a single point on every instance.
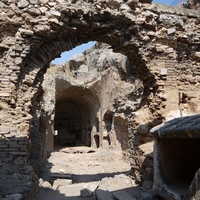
(75, 113)
(35, 32)
(71, 28)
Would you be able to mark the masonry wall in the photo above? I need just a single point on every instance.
(161, 43)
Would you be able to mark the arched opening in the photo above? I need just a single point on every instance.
(108, 117)
(68, 124)
(97, 141)
(40, 40)
(82, 92)
(121, 130)
(58, 40)
(107, 127)
(75, 114)
(96, 125)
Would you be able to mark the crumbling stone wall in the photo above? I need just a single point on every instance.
(98, 86)
(161, 43)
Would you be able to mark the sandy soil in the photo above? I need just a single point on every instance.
(86, 166)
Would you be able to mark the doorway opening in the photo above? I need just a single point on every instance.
(75, 115)
(96, 138)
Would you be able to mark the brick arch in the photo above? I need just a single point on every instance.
(76, 26)
(73, 27)
(39, 59)
(37, 62)
(43, 52)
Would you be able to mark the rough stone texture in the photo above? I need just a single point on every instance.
(193, 192)
(176, 155)
(93, 92)
(59, 182)
(152, 36)
(88, 189)
(120, 195)
(14, 197)
(183, 127)
(104, 195)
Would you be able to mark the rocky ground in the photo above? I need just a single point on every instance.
(83, 173)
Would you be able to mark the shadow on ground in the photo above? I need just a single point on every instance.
(84, 178)
(50, 194)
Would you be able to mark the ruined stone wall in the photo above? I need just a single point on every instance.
(161, 43)
(115, 86)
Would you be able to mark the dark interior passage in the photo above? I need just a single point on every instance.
(76, 112)
(108, 118)
(179, 160)
(68, 124)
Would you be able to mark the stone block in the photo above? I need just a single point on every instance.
(3, 154)
(25, 31)
(19, 139)
(89, 189)
(4, 94)
(114, 4)
(2, 5)
(13, 145)
(133, 2)
(171, 31)
(143, 129)
(52, 4)
(146, 196)
(14, 196)
(197, 54)
(140, 21)
(43, 2)
(34, 11)
(44, 184)
(23, 142)
(33, 2)
(43, 10)
(122, 195)
(18, 153)
(4, 79)
(147, 185)
(22, 3)
(104, 195)
(163, 72)
(55, 13)
(19, 161)
(11, 149)
(124, 7)
(3, 146)
(61, 182)
(2, 142)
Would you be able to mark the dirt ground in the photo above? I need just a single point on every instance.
(68, 170)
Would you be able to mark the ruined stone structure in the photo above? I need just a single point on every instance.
(176, 158)
(95, 93)
(160, 42)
